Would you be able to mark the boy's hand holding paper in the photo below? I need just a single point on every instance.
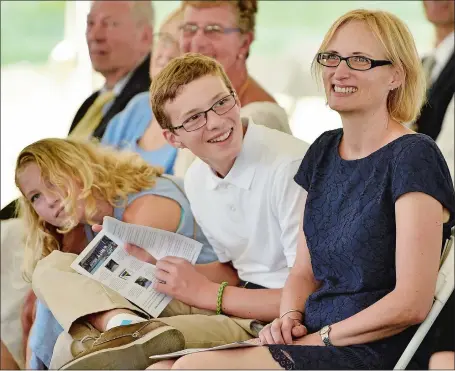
(180, 279)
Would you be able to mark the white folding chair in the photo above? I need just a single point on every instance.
(444, 288)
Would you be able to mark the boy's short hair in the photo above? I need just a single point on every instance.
(180, 72)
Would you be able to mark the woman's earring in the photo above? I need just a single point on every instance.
(240, 56)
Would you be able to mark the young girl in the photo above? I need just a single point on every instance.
(67, 186)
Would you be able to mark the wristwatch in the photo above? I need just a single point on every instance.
(324, 332)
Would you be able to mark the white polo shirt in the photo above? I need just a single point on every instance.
(251, 217)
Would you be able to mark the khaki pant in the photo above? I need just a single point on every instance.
(71, 296)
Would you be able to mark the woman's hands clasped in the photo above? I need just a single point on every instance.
(282, 331)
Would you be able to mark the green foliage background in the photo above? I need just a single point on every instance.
(30, 29)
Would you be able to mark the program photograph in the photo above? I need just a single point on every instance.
(144, 282)
(112, 265)
(98, 255)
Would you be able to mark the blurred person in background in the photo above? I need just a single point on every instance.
(437, 120)
(224, 30)
(119, 35)
(437, 115)
(135, 128)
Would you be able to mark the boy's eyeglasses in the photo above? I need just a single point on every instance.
(198, 120)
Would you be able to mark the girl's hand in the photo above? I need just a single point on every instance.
(133, 250)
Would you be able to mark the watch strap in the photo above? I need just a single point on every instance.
(324, 332)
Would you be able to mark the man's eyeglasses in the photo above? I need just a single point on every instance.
(190, 29)
(198, 120)
(355, 62)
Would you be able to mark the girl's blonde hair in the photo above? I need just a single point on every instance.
(84, 171)
(405, 102)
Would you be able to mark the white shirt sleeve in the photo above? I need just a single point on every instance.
(288, 203)
(268, 114)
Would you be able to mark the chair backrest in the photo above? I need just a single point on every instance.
(444, 288)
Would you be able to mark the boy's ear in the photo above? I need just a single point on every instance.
(173, 139)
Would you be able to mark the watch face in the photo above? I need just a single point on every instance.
(325, 330)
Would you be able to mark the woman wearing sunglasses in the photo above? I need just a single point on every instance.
(380, 202)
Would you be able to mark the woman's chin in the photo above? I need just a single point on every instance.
(339, 107)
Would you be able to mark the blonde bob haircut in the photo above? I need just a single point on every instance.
(83, 171)
(405, 102)
(179, 72)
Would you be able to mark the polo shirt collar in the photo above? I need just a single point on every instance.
(242, 172)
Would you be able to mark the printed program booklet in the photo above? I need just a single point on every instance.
(106, 260)
(184, 352)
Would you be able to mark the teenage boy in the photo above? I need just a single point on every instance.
(243, 196)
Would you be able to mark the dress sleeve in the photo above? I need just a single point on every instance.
(421, 167)
(307, 166)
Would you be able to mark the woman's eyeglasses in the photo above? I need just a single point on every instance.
(355, 62)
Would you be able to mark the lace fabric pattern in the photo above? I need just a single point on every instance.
(349, 224)
(321, 358)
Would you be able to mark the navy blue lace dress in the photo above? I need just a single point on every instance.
(350, 230)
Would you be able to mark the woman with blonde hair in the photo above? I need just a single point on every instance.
(66, 187)
(380, 201)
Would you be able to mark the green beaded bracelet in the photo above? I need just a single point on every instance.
(220, 297)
